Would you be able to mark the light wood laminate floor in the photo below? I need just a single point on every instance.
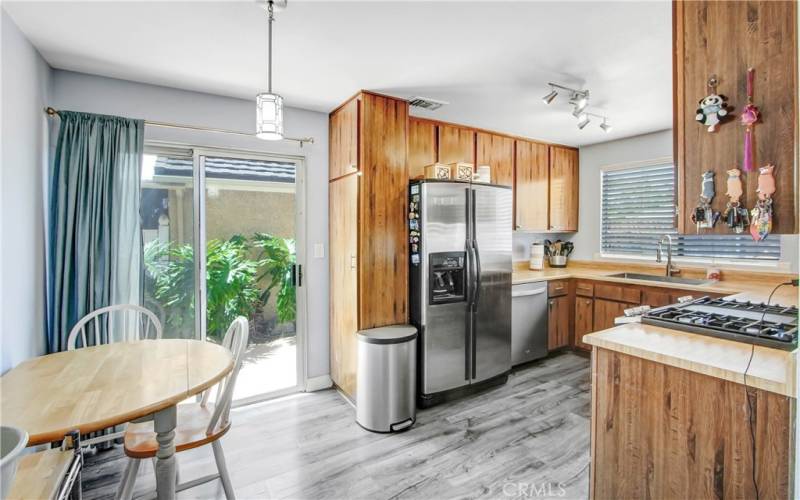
(526, 439)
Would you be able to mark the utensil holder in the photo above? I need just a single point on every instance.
(558, 261)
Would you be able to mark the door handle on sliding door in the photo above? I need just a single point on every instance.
(297, 275)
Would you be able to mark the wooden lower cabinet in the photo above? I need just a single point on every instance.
(584, 320)
(657, 298)
(663, 432)
(558, 313)
(605, 311)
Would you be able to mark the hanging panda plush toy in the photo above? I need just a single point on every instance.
(713, 108)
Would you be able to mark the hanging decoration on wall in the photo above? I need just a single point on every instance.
(703, 215)
(761, 215)
(713, 108)
(736, 216)
(749, 117)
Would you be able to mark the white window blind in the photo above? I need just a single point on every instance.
(638, 206)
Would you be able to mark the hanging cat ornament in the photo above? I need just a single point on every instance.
(749, 117)
(713, 108)
(761, 215)
(703, 216)
(736, 216)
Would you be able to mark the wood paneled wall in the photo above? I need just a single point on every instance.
(664, 432)
(725, 39)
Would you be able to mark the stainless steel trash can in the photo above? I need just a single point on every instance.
(386, 384)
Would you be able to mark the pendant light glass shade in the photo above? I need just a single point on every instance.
(269, 116)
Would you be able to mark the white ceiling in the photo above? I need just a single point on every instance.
(491, 60)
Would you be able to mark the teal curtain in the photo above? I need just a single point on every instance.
(94, 236)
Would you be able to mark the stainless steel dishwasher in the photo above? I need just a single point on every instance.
(528, 322)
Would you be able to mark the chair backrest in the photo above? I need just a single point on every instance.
(121, 323)
(235, 340)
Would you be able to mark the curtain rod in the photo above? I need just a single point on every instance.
(52, 111)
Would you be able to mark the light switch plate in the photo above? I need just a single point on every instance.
(319, 251)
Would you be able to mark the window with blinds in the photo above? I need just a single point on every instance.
(638, 206)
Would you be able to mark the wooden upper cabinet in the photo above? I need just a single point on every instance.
(344, 139)
(563, 189)
(456, 144)
(497, 151)
(421, 147)
(383, 242)
(532, 186)
(725, 39)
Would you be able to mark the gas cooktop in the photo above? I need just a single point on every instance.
(732, 320)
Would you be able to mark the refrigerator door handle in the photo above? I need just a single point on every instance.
(476, 252)
(470, 277)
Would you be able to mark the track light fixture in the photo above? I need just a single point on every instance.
(579, 99)
(585, 119)
(549, 97)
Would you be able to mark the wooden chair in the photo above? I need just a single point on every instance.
(198, 424)
(120, 323)
(53, 474)
(102, 320)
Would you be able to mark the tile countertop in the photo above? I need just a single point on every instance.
(771, 369)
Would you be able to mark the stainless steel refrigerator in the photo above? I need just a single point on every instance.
(460, 285)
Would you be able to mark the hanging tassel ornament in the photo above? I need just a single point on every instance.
(749, 117)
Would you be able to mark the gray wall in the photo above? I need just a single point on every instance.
(82, 92)
(592, 159)
(26, 81)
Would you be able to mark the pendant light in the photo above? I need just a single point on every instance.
(269, 106)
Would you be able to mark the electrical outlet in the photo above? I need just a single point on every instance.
(319, 251)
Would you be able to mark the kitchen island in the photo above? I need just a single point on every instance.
(671, 411)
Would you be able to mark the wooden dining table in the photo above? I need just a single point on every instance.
(94, 388)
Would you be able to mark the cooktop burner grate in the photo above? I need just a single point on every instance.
(755, 323)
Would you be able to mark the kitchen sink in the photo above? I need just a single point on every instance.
(661, 278)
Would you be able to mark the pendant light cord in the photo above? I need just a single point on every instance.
(270, 9)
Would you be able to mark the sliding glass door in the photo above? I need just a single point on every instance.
(250, 230)
(168, 237)
(221, 230)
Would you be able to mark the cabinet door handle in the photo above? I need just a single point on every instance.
(352, 262)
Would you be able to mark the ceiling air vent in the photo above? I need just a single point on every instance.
(426, 103)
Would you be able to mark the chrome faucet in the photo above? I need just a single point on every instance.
(670, 269)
